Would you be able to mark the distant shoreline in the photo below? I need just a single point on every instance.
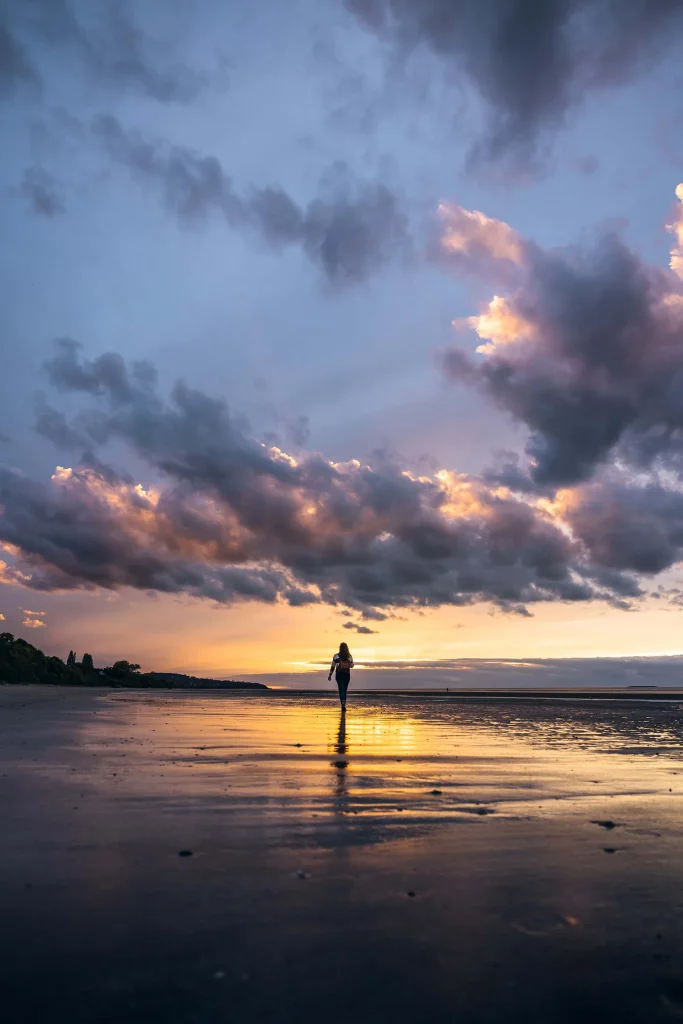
(205, 684)
(494, 693)
(613, 693)
(22, 663)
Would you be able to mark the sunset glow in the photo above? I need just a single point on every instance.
(420, 396)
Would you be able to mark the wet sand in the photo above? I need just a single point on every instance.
(431, 858)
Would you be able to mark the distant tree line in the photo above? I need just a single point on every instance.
(21, 662)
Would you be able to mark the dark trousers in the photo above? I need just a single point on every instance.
(343, 677)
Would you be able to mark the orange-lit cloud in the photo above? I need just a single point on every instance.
(499, 325)
(587, 352)
(676, 229)
(11, 574)
(338, 534)
(33, 620)
(472, 234)
(32, 623)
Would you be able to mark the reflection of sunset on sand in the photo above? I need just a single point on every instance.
(488, 845)
(398, 762)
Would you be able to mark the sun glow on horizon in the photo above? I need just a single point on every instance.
(171, 634)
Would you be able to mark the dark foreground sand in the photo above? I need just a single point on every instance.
(436, 860)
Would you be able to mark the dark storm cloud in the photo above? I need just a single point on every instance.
(78, 534)
(349, 231)
(343, 534)
(588, 353)
(41, 192)
(101, 39)
(507, 472)
(108, 374)
(628, 527)
(530, 60)
(52, 423)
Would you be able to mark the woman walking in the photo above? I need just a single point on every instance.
(342, 663)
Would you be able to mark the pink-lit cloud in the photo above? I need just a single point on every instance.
(498, 325)
(676, 229)
(471, 239)
(228, 518)
(585, 348)
(587, 351)
(32, 623)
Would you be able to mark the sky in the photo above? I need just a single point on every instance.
(359, 320)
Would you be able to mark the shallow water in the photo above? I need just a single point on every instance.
(421, 857)
(395, 764)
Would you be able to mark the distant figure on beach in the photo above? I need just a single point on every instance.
(342, 663)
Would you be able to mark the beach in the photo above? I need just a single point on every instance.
(217, 856)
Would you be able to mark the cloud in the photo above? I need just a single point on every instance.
(586, 349)
(469, 235)
(348, 231)
(228, 517)
(110, 535)
(101, 40)
(625, 526)
(2, 617)
(530, 63)
(587, 165)
(359, 629)
(41, 192)
(587, 352)
(15, 66)
(498, 325)
(32, 623)
(676, 229)
(191, 186)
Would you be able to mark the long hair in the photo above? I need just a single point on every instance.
(344, 652)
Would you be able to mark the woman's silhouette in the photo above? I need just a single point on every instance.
(342, 663)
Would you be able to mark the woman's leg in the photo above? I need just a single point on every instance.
(343, 679)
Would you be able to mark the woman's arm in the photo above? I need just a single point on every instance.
(332, 668)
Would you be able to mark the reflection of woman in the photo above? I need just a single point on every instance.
(342, 663)
(340, 764)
